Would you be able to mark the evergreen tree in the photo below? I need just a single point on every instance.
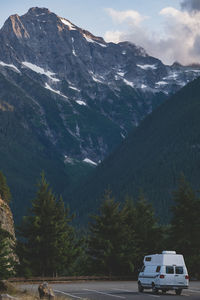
(48, 245)
(4, 189)
(7, 260)
(107, 237)
(144, 231)
(185, 225)
(129, 216)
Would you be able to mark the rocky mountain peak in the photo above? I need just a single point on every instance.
(119, 83)
(38, 11)
(14, 27)
(26, 25)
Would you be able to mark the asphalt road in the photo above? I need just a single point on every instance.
(114, 290)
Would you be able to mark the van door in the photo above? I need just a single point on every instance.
(169, 276)
(180, 276)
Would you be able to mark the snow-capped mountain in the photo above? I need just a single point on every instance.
(84, 95)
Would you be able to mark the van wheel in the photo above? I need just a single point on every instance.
(154, 289)
(164, 291)
(140, 288)
(178, 292)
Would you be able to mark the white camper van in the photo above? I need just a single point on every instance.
(166, 271)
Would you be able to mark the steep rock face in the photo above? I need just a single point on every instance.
(6, 218)
(100, 90)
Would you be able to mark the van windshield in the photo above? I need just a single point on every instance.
(142, 269)
(179, 270)
(169, 270)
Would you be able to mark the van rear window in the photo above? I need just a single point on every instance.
(179, 270)
(169, 270)
(147, 258)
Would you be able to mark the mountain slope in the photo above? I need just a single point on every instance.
(165, 144)
(95, 85)
(68, 98)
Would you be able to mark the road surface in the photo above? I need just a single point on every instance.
(115, 290)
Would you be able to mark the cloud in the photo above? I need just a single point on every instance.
(190, 5)
(113, 36)
(131, 16)
(179, 39)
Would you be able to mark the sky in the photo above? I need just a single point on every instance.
(166, 29)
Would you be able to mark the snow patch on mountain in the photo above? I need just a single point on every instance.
(74, 88)
(161, 83)
(89, 40)
(89, 161)
(121, 73)
(73, 49)
(40, 70)
(70, 26)
(128, 83)
(80, 102)
(146, 67)
(9, 66)
(54, 91)
(172, 75)
(96, 78)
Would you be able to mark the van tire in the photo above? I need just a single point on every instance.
(140, 288)
(154, 289)
(178, 292)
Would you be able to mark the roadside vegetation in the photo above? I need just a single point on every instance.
(16, 292)
(117, 238)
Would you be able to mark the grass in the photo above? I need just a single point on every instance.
(14, 291)
(26, 295)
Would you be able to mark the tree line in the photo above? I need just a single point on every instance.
(117, 238)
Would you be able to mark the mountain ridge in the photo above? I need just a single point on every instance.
(153, 157)
(70, 98)
(79, 67)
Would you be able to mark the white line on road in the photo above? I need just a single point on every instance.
(105, 294)
(155, 296)
(128, 291)
(70, 295)
(194, 291)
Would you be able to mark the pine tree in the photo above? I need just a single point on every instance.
(129, 216)
(144, 232)
(49, 238)
(107, 237)
(185, 225)
(4, 189)
(7, 260)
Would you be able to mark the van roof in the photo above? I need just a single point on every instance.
(166, 258)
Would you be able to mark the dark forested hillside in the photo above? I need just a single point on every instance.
(165, 144)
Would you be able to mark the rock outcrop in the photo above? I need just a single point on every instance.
(45, 291)
(6, 218)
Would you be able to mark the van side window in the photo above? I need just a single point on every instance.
(179, 270)
(158, 269)
(169, 270)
